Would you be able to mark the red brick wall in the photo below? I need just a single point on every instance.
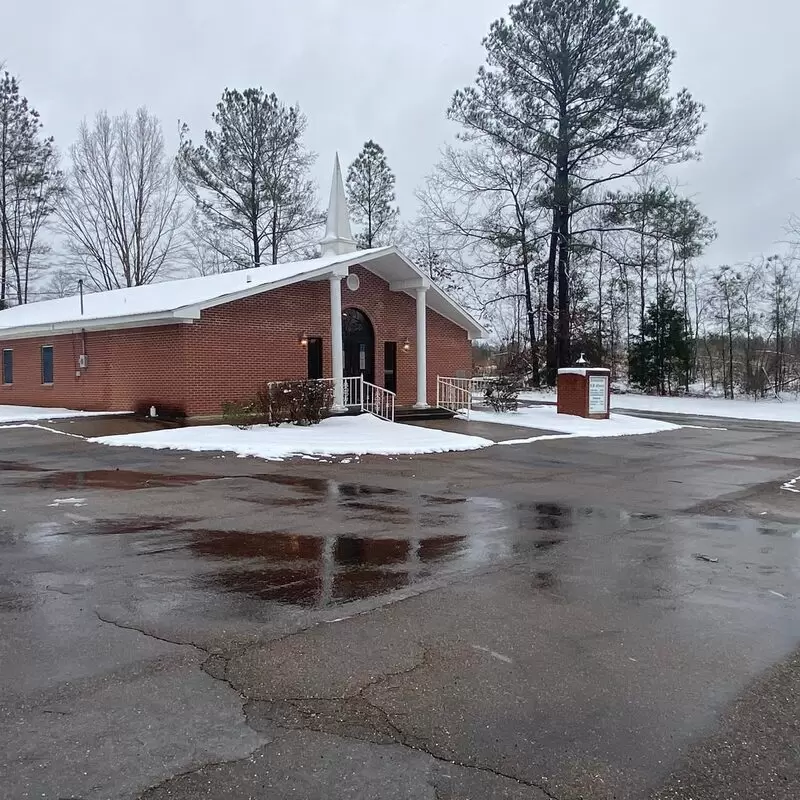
(230, 351)
(125, 367)
(573, 395)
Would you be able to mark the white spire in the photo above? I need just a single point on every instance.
(338, 235)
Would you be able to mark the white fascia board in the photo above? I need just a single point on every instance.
(100, 324)
(414, 283)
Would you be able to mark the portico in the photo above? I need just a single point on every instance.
(338, 240)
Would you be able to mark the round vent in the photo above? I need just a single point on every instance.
(353, 282)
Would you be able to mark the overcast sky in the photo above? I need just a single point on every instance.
(364, 69)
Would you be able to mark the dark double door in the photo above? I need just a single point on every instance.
(358, 339)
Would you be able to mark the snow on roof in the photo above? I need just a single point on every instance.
(182, 300)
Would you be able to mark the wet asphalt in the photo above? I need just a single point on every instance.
(593, 619)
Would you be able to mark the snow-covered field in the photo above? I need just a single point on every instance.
(546, 418)
(336, 436)
(33, 413)
(743, 408)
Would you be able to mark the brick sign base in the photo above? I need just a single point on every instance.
(578, 392)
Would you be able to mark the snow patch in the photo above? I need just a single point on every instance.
(548, 419)
(34, 413)
(743, 408)
(68, 501)
(791, 486)
(363, 435)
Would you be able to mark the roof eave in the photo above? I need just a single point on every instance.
(100, 323)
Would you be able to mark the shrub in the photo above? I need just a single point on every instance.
(299, 402)
(502, 394)
(241, 414)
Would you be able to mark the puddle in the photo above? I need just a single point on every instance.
(547, 543)
(111, 479)
(18, 466)
(13, 602)
(131, 525)
(324, 486)
(317, 571)
(545, 580)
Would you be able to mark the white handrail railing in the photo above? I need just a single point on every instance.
(377, 400)
(366, 396)
(454, 394)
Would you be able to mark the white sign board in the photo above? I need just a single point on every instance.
(598, 394)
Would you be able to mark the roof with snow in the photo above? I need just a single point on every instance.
(178, 301)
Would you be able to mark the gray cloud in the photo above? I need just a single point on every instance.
(362, 69)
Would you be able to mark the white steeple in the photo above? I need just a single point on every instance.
(338, 238)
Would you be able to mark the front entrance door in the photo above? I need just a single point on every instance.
(358, 339)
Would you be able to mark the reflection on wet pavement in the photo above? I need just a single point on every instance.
(323, 543)
(419, 538)
(314, 571)
(18, 466)
(110, 479)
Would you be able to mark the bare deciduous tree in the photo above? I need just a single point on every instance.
(122, 214)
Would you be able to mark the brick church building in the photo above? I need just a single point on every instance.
(196, 343)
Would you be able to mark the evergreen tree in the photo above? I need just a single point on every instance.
(660, 359)
(583, 86)
(30, 187)
(250, 177)
(370, 194)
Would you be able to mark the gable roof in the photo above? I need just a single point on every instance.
(181, 301)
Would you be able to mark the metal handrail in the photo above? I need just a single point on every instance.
(454, 394)
(366, 396)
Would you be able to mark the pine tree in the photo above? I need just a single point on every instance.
(370, 193)
(250, 177)
(583, 86)
(30, 187)
(660, 360)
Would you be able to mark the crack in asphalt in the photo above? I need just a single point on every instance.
(400, 737)
(124, 627)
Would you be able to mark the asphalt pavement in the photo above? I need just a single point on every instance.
(581, 618)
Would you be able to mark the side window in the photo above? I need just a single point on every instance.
(47, 364)
(8, 366)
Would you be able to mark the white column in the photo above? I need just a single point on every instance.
(422, 350)
(337, 345)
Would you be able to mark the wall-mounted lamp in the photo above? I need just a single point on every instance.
(303, 340)
(406, 345)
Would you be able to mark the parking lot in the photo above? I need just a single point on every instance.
(609, 618)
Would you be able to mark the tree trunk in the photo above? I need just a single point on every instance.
(3, 213)
(563, 205)
(563, 289)
(531, 321)
(600, 300)
(552, 361)
(275, 235)
(256, 242)
(730, 348)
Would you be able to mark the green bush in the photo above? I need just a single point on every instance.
(241, 414)
(502, 394)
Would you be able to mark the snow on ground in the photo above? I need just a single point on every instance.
(33, 413)
(742, 408)
(547, 418)
(335, 436)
